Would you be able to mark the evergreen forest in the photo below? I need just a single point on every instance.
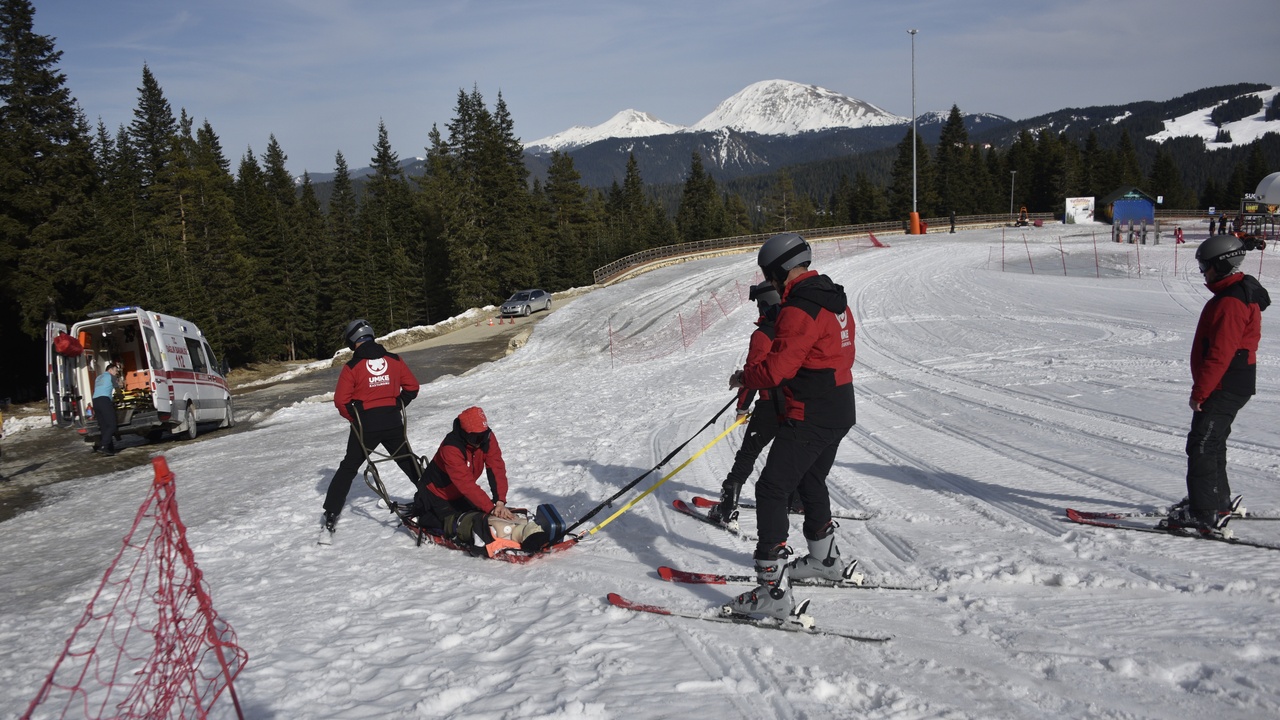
(155, 214)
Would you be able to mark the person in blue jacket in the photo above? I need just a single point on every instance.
(104, 408)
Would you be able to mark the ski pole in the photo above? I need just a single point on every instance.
(668, 476)
(646, 473)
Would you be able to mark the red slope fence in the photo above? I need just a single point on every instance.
(689, 324)
(149, 644)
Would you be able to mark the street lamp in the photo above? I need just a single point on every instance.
(1013, 174)
(915, 216)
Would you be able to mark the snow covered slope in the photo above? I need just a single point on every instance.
(1243, 132)
(987, 402)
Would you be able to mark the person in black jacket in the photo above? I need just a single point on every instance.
(372, 388)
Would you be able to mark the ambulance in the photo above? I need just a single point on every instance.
(171, 379)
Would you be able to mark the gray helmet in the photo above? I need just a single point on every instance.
(765, 295)
(1224, 253)
(782, 252)
(357, 331)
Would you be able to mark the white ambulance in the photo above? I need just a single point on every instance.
(171, 379)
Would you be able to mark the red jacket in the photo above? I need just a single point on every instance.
(456, 467)
(374, 382)
(1224, 352)
(811, 358)
(761, 341)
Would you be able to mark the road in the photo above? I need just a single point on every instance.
(36, 460)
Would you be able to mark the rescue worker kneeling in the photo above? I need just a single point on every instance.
(452, 503)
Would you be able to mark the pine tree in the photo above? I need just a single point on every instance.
(954, 181)
(387, 232)
(571, 225)
(345, 261)
(47, 184)
(1165, 180)
(868, 203)
(701, 212)
(1130, 170)
(901, 188)
(153, 129)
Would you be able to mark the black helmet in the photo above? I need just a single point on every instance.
(1224, 253)
(357, 331)
(782, 252)
(765, 295)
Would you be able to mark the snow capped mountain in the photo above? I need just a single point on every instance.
(771, 107)
(626, 124)
(1198, 124)
(781, 107)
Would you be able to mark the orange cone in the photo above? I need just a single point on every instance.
(490, 322)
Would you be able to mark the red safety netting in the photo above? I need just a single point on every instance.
(689, 323)
(149, 644)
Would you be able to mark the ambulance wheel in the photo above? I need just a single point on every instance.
(230, 419)
(192, 429)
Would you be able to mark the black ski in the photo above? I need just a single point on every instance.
(706, 502)
(1077, 517)
(856, 580)
(801, 625)
(731, 528)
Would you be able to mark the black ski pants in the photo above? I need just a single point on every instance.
(801, 457)
(1207, 485)
(104, 411)
(392, 440)
(761, 429)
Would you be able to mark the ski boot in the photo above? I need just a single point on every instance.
(1205, 522)
(772, 599)
(727, 511)
(823, 561)
(330, 521)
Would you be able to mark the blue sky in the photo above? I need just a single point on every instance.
(321, 74)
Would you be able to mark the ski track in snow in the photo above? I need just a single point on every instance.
(988, 402)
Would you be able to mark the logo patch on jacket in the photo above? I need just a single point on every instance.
(843, 320)
(377, 369)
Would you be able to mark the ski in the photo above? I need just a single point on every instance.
(856, 580)
(802, 624)
(1076, 517)
(706, 502)
(1121, 515)
(326, 537)
(731, 528)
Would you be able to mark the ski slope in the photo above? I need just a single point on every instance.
(988, 401)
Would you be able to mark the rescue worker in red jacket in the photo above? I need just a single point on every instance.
(451, 500)
(1224, 356)
(764, 420)
(811, 359)
(372, 388)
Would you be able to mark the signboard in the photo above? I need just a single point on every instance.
(1079, 210)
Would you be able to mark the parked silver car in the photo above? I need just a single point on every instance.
(525, 302)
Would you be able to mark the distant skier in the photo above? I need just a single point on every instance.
(372, 387)
(764, 420)
(811, 360)
(1224, 377)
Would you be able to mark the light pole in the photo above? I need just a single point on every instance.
(915, 216)
(1013, 175)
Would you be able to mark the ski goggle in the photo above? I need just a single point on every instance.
(477, 439)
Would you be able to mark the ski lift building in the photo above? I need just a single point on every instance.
(1126, 205)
